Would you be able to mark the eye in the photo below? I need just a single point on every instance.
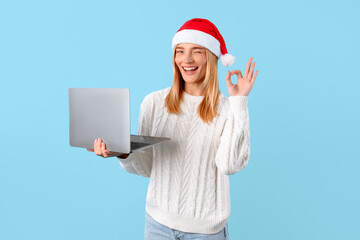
(179, 51)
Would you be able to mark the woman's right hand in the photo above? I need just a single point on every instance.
(100, 150)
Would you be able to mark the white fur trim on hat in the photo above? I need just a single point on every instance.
(197, 37)
(227, 60)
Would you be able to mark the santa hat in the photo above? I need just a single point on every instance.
(203, 32)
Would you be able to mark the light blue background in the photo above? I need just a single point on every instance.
(302, 180)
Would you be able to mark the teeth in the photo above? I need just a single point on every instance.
(189, 68)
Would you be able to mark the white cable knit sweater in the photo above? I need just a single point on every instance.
(189, 183)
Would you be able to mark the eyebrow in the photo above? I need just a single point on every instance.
(201, 48)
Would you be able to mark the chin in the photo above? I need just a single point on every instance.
(191, 80)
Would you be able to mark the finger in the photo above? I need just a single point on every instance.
(89, 149)
(112, 154)
(103, 150)
(228, 79)
(237, 72)
(95, 150)
(254, 77)
(228, 76)
(248, 67)
(251, 71)
(97, 146)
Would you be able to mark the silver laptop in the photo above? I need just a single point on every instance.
(104, 113)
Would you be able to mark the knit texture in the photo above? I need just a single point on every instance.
(189, 183)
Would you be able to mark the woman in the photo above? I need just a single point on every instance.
(188, 194)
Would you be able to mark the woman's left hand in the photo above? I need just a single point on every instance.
(244, 84)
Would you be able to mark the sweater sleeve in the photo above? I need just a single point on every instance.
(140, 162)
(234, 148)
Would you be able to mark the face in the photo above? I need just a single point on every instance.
(191, 61)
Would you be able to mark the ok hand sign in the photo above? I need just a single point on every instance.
(244, 84)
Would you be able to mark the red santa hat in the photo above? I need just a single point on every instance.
(203, 32)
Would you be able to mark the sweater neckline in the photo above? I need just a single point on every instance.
(192, 98)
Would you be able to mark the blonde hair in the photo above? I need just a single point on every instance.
(207, 109)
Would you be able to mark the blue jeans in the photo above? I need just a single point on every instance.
(157, 231)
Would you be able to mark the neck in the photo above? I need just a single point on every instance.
(194, 89)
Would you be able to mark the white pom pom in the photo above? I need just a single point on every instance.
(227, 60)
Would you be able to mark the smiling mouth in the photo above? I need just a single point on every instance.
(190, 69)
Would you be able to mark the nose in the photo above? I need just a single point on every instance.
(188, 57)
